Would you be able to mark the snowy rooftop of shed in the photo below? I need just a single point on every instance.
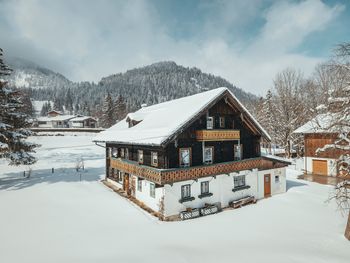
(160, 121)
(82, 118)
(56, 118)
(322, 123)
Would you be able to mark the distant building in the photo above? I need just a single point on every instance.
(317, 134)
(190, 156)
(56, 119)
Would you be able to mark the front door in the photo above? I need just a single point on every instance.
(126, 183)
(267, 185)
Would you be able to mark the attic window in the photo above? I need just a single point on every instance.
(222, 122)
(210, 123)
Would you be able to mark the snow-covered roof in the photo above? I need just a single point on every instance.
(322, 123)
(56, 118)
(160, 121)
(82, 118)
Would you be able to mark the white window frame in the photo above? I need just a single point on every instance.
(139, 185)
(210, 123)
(205, 187)
(181, 163)
(239, 181)
(185, 191)
(205, 160)
(152, 190)
(154, 158)
(140, 156)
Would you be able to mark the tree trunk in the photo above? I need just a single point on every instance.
(347, 229)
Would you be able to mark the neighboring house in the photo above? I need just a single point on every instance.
(187, 153)
(54, 113)
(317, 134)
(59, 121)
(83, 122)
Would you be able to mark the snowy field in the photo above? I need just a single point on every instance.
(58, 218)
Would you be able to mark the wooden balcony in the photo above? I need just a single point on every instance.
(217, 135)
(168, 176)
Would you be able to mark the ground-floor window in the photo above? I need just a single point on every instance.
(152, 190)
(185, 191)
(205, 187)
(139, 185)
(239, 181)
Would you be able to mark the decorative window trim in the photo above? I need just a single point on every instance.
(210, 123)
(152, 159)
(190, 156)
(212, 155)
(140, 156)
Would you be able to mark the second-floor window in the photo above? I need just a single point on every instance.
(126, 153)
(239, 181)
(208, 155)
(122, 153)
(154, 158)
(185, 157)
(210, 123)
(140, 156)
(222, 122)
(115, 152)
(237, 151)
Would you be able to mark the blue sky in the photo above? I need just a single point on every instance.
(246, 42)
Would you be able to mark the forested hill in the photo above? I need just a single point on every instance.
(150, 85)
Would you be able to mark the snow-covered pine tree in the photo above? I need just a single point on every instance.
(108, 116)
(57, 104)
(13, 124)
(338, 107)
(120, 108)
(68, 101)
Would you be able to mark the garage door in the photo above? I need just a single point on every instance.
(319, 167)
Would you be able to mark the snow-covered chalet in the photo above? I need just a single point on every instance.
(320, 156)
(192, 156)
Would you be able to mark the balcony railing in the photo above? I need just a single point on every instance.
(217, 135)
(168, 176)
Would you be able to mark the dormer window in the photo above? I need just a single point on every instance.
(222, 122)
(140, 156)
(210, 123)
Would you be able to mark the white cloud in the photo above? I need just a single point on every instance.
(91, 39)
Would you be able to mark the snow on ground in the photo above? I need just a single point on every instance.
(57, 218)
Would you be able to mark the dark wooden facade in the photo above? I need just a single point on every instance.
(315, 141)
(226, 118)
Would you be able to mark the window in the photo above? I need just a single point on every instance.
(139, 185)
(152, 190)
(122, 152)
(126, 153)
(115, 152)
(277, 179)
(119, 176)
(154, 158)
(210, 123)
(239, 181)
(237, 151)
(233, 124)
(205, 187)
(185, 191)
(140, 156)
(185, 157)
(222, 122)
(208, 155)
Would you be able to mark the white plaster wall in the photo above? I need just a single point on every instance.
(221, 187)
(145, 197)
(331, 164)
